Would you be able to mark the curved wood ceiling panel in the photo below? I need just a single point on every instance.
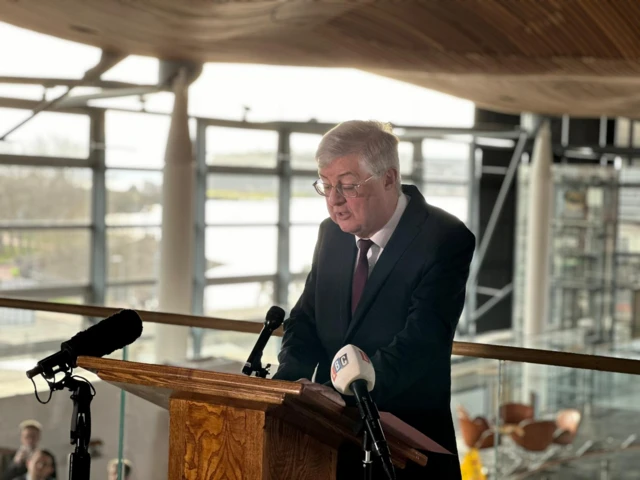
(548, 56)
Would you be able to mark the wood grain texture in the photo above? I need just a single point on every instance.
(293, 454)
(146, 315)
(186, 380)
(546, 357)
(210, 442)
(178, 415)
(309, 413)
(221, 443)
(493, 52)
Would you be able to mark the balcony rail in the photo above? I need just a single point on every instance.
(464, 349)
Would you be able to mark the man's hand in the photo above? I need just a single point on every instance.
(323, 390)
(21, 456)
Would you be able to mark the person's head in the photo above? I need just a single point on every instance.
(359, 158)
(30, 433)
(114, 465)
(41, 465)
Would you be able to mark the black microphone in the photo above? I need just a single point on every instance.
(103, 338)
(274, 318)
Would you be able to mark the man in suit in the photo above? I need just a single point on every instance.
(40, 466)
(388, 275)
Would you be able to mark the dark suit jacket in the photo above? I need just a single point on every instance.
(405, 320)
(15, 472)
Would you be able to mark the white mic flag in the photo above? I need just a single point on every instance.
(351, 364)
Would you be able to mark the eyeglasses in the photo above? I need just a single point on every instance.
(347, 190)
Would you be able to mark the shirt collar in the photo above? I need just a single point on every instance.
(382, 236)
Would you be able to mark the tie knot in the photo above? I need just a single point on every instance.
(364, 246)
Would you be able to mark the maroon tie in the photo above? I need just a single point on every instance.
(361, 274)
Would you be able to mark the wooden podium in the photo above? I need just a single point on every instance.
(225, 426)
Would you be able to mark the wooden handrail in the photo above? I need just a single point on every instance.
(465, 349)
(146, 315)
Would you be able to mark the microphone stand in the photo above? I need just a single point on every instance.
(367, 463)
(81, 393)
(256, 367)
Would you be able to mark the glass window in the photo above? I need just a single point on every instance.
(140, 297)
(299, 94)
(240, 251)
(302, 245)
(28, 92)
(296, 287)
(31, 258)
(451, 198)
(239, 301)
(136, 139)
(235, 347)
(26, 194)
(238, 147)
(27, 336)
(241, 199)
(444, 160)
(47, 56)
(135, 69)
(405, 155)
(134, 197)
(143, 297)
(133, 253)
(49, 134)
(303, 148)
(306, 205)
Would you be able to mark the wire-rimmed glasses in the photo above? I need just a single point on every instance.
(347, 190)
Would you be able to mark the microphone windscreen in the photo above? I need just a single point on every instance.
(351, 364)
(107, 336)
(275, 317)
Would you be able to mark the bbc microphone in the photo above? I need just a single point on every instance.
(103, 338)
(274, 318)
(352, 374)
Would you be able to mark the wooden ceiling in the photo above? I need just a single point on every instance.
(579, 57)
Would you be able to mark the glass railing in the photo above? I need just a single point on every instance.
(529, 421)
(521, 413)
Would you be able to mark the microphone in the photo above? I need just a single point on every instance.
(103, 338)
(352, 374)
(274, 318)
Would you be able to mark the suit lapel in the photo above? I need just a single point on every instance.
(407, 229)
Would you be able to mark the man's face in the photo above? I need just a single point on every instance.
(367, 213)
(40, 466)
(30, 437)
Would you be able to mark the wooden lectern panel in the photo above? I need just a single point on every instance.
(289, 453)
(210, 442)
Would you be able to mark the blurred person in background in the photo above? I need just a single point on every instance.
(30, 434)
(112, 469)
(40, 466)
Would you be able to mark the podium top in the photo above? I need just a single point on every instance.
(159, 383)
(290, 401)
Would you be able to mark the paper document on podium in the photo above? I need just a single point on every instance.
(410, 435)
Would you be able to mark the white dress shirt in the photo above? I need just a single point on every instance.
(382, 236)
